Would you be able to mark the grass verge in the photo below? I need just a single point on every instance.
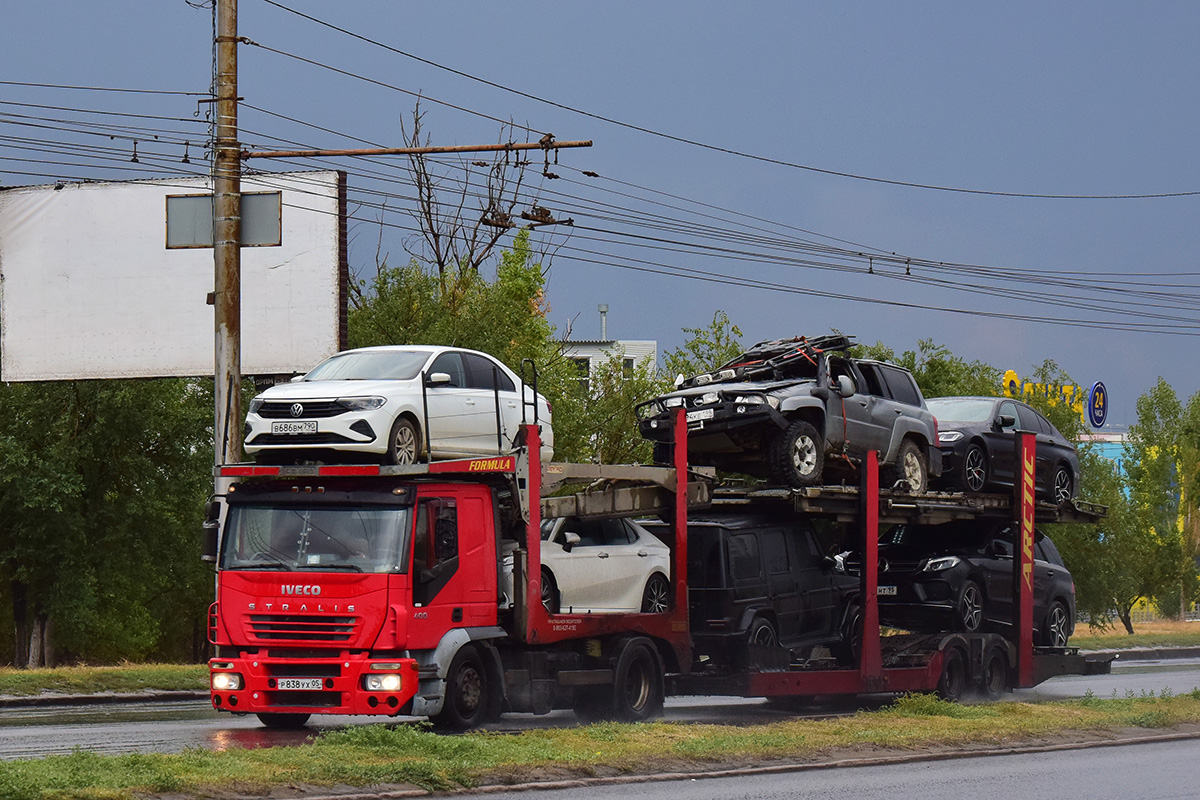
(91, 680)
(1164, 633)
(377, 755)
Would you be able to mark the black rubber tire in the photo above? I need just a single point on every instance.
(638, 683)
(849, 649)
(468, 693)
(994, 681)
(656, 597)
(551, 599)
(974, 477)
(797, 456)
(762, 633)
(1056, 627)
(282, 721)
(912, 466)
(953, 681)
(404, 442)
(968, 612)
(1064, 486)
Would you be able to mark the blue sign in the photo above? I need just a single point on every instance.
(1097, 405)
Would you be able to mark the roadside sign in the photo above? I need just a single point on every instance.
(1097, 405)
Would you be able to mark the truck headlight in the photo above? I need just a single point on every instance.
(708, 398)
(750, 399)
(226, 681)
(382, 683)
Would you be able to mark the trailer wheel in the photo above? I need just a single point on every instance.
(953, 682)
(637, 683)
(468, 699)
(282, 721)
(995, 674)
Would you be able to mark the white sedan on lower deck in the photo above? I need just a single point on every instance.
(600, 566)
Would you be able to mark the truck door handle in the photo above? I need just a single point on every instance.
(601, 555)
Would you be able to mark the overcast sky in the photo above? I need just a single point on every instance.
(1011, 99)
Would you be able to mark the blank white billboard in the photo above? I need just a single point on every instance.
(89, 289)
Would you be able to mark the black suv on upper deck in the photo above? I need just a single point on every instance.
(787, 409)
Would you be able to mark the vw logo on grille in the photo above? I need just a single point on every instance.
(297, 410)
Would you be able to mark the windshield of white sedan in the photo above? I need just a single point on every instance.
(322, 539)
(961, 410)
(393, 364)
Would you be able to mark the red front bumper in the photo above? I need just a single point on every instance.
(333, 685)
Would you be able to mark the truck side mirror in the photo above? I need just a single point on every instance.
(210, 531)
(569, 541)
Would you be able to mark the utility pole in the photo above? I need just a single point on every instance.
(227, 240)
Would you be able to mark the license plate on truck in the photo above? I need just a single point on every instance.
(702, 414)
(309, 426)
(299, 684)
(890, 591)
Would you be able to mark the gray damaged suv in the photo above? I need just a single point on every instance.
(801, 412)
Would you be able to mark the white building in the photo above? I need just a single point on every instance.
(589, 355)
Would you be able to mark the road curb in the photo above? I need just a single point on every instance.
(847, 763)
(13, 701)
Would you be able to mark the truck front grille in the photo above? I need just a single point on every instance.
(307, 627)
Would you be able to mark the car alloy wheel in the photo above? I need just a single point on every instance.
(970, 607)
(1057, 626)
(974, 469)
(1062, 486)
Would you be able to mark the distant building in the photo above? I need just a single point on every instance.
(589, 355)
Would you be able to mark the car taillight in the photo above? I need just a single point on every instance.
(936, 435)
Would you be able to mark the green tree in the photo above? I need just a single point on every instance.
(705, 348)
(937, 370)
(613, 394)
(99, 514)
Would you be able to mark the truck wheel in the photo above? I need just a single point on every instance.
(468, 699)
(657, 597)
(969, 617)
(797, 457)
(954, 675)
(404, 446)
(995, 674)
(550, 596)
(910, 467)
(282, 721)
(637, 683)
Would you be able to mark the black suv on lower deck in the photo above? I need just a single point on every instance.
(764, 580)
(792, 410)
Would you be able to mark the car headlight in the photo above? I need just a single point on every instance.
(382, 683)
(255, 405)
(226, 681)
(361, 403)
(708, 398)
(750, 399)
(941, 564)
(949, 436)
(673, 402)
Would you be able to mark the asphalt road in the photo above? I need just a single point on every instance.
(30, 732)
(1144, 771)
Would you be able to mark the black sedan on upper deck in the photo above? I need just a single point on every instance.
(977, 437)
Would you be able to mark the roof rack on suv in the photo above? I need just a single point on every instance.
(769, 359)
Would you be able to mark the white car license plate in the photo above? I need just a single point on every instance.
(702, 414)
(885, 590)
(299, 684)
(307, 426)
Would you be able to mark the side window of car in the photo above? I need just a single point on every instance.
(874, 384)
(452, 365)
(1009, 409)
(903, 388)
(590, 533)
(1029, 419)
(485, 374)
(1045, 426)
(1002, 548)
(742, 556)
(1048, 552)
(776, 553)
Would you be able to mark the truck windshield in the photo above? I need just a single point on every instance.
(322, 539)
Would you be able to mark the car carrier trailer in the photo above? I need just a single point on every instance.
(425, 629)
